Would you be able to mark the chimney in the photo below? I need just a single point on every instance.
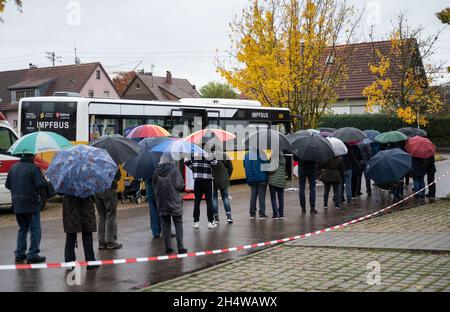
(169, 77)
(32, 65)
(193, 87)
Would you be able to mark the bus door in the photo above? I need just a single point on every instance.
(189, 119)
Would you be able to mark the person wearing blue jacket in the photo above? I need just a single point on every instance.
(257, 180)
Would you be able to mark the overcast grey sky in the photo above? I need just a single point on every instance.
(176, 35)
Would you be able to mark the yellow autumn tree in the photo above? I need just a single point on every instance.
(3, 4)
(411, 96)
(286, 54)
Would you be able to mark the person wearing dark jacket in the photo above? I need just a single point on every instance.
(79, 217)
(431, 170)
(348, 164)
(366, 154)
(155, 224)
(333, 177)
(256, 178)
(277, 184)
(356, 158)
(167, 184)
(203, 185)
(25, 181)
(222, 172)
(418, 172)
(307, 170)
(106, 203)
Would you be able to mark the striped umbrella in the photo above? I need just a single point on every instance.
(147, 131)
(39, 142)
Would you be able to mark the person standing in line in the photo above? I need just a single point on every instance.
(277, 184)
(366, 154)
(307, 170)
(418, 172)
(333, 177)
(257, 179)
(431, 170)
(106, 203)
(25, 181)
(155, 224)
(356, 170)
(79, 217)
(203, 185)
(347, 158)
(167, 184)
(222, 172)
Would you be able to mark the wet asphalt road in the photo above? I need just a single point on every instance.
(134, 233)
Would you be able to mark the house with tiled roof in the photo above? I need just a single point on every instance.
(350, 92)
(88, 80)
(146, 86)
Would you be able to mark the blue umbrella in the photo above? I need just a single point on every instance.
(82, 171)
(389, 166)
(143, 165)
(371, 134)
(177, 147)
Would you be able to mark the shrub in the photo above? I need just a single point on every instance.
(438, 128)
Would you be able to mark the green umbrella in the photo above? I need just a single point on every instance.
(39, 142)
(391, 137)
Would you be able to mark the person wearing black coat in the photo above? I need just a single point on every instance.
(356, 158)
(419, 169)
(431, 170)
(79, 217)
(333, 172)
(26, 182)
(167, 184)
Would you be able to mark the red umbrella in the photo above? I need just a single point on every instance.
(420, 147)
(220, 134)
(147, 131)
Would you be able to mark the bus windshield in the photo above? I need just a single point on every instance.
(58, 117)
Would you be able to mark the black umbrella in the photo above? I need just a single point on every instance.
(325, 129)
(349, 134)
(119, 148)
(312, 147)
(388, 166)
(410, 131)
(263, 139)
(292, 136)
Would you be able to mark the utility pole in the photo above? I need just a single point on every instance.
(53, 58)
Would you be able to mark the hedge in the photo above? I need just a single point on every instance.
(438, 129)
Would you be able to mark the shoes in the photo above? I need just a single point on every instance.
(337, 208)
(263, 216)
(169, 250)
(216, 218)
(182, 251)
(173, 234)
(36, 259)
(229, 220)
(101, 246)
(212, 225)
(156, 236)
(369, 194)
(252, 217)
(303, 210)
(92, 267)
(325, 206)
(115, 245)
(196, 225)
(21, 259)
(281, 218)
(313, 211)
(275, 218)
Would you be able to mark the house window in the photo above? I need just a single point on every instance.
(91, 93)
(97, 74)
(106, 94)
(330, 59)
(23, 93)
(138, 85)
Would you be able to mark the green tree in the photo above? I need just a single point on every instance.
(215, 89)
(444, 15)
(3, 3)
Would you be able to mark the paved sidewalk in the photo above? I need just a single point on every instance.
(411, 246)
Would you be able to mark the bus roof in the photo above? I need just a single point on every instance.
(193, 102)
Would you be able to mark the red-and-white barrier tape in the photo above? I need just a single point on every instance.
(207, 252)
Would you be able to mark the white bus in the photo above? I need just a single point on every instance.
(81, 120)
